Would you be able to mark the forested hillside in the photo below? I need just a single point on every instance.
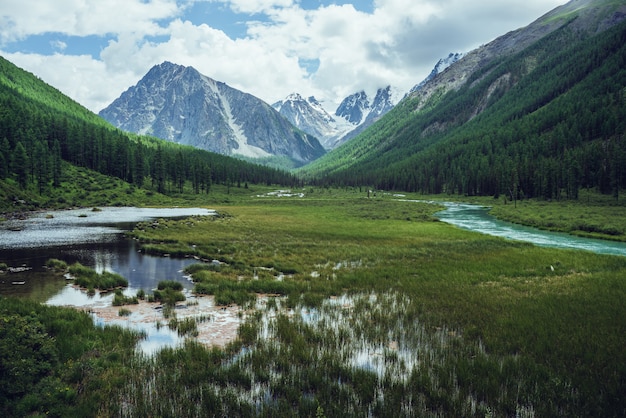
(41, 130)
(544, 122)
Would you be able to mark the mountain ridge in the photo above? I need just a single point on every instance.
(354, 114)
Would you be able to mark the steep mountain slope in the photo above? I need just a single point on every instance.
(179, 104)
(440, 66)
(539, 112)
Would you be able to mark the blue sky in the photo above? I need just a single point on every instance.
(93, 50)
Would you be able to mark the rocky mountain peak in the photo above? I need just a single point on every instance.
(354, 107)
(179, 104)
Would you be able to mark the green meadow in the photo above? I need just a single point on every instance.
(536, 330)
(356, 306)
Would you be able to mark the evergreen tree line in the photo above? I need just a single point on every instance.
(553, 122)
(35, 138)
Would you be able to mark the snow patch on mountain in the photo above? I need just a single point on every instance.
(243, 148)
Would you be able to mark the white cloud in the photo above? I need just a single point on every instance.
(398, 43)
(82, 17)
(58, 45)
(257, 6)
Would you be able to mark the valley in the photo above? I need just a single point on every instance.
(321, 279)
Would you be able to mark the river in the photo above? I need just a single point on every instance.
(477, 218)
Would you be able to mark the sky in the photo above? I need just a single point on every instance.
(93, 50)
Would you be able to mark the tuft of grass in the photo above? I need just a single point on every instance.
(119, 299)
(56, 264)
(124, 312)
(87, 278)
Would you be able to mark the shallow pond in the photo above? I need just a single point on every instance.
(95, 238)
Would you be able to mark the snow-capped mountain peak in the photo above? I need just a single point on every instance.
(354, 113)
(440, 66)
(308, 115)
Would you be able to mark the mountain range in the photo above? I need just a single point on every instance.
(355, 113)
(537, 112)
(178, 104)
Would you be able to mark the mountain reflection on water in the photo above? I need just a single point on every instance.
(93, 238)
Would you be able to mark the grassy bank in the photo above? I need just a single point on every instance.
(592, 215)
(81, 187)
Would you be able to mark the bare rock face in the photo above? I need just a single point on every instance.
(179, 104)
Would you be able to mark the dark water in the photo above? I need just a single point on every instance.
(477, 218)
(95, 239)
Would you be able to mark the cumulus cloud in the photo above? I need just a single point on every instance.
(330, 50)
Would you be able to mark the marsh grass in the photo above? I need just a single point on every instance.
(88, 278)
(56, 264)
(119, 299)
(524, 313)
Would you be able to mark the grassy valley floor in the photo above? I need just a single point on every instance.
(377, 308)
(526, 330)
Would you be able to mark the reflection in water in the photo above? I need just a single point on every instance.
(119, 256)
(92, 238)
(95, 239)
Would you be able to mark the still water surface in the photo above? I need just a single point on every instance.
(96, 239)
(93, 238)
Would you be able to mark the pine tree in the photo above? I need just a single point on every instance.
(20, 163)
